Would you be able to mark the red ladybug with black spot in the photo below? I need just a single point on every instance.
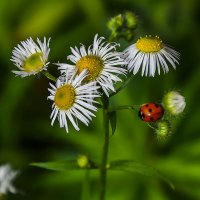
(151, 112)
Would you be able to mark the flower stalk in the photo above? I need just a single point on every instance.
(103, 166)
(123, 107)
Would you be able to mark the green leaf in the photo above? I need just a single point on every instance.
(58, 165)
(113, 121)
(132, 166)
(65, 165)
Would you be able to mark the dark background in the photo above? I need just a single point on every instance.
(25, 132)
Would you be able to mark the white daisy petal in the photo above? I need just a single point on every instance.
(80, 116)
(86, 112)
(53, 116)
(65, 123)
(63, 66)
(72, 120)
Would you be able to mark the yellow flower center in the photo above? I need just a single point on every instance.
(65, 97)
(94, 65)
(33, 63)
(149, 44)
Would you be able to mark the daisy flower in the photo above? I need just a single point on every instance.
(7, 176)
(30, 57)
(150, 54)
(73, 100)
(101, 60)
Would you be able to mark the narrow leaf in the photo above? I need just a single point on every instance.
(132, 166)
(65, 165)
(58, 165)
(113, 121)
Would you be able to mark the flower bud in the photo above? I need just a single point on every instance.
(115, 23)
(82, 161)
(174, 103)
(131, 20)
(163, 129)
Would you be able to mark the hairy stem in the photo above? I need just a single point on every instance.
(103, 166)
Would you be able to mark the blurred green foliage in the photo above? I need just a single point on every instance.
(25, 132)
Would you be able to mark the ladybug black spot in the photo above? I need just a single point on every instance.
(151, 118)
(147, 105)
(156, 105)
(150, 110)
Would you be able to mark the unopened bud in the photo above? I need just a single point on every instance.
(163, 129)
(82, 161)
(115, 23)
(174, 103)
(131, 20)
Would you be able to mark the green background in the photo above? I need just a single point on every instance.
(26, 134)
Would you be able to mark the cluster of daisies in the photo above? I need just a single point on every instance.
(93, 72)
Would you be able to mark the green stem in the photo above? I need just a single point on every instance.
(127, 81)
(86, 186)
(123, 107)
(103, 166)
(49, 76)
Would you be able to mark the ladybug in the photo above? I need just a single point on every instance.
(151, 112)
